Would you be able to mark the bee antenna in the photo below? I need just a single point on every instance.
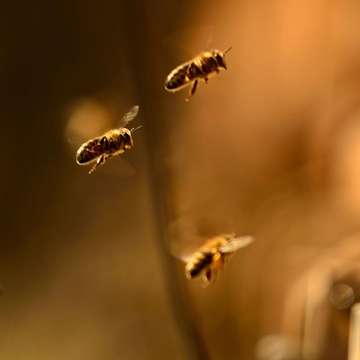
(227, 50)
(133, 129)
(230, 236)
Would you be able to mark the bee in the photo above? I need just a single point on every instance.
(201, 67)
(112, 143)
(210, 258)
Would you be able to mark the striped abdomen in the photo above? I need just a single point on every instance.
(198, 263)
(178, 78)
(94, 148)
(89, 151)
(200, 68)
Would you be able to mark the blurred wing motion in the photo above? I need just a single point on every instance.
(183, 239)
(131, 115)
(208, 42)
(204, 257)
(210, 259)
(234, 244)
(185, 43)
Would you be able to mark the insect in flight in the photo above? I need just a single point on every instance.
(112, 143)
(210, 258)
(203, 66)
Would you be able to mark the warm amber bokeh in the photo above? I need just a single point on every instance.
(269, 148)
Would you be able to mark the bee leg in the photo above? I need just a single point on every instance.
(206, 80)
(206, 278)
(101, 161)
(192, 90)
(218, 262)
(214, 275)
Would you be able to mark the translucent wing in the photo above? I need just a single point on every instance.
(186, 43)
(183, 239)
(209, 40)
(235, 244)
(129, 116)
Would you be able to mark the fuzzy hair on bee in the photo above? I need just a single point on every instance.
(202, 67)
(112, 143)
(210, 259)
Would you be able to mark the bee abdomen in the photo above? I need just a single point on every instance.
(88, 152)
(177, 78)
(83, 156)
(199, 262)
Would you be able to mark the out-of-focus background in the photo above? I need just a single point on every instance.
(268, 148)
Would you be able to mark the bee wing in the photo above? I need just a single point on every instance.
(208, 42)
(117, 167)
(129, 116)
(186, 43)
(235, 244)
(186, 256)
(183, 239)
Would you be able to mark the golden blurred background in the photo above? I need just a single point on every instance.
(269, 148)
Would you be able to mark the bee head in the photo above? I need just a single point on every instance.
(219, 57)
(127, 136)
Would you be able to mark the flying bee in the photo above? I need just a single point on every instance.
(112, 143)
(210, 258)
(203, 66)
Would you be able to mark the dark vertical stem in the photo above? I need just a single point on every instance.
(162, 185)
